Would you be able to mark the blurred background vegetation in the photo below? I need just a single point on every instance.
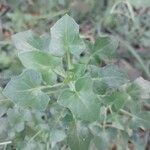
(126, 20)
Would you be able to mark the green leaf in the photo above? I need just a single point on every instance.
(79, 137)
(104, 139)
(144, 86)
(56, 136)
(140, 119)
(34, 146)
(116, 99)
(41, 61)
(45, 40)
(82, 102)
(139, 146)
(16, 120)
(27, 41)
(109, 75)
(99, 87)
(140, 3)
(104, 48)
(65, 37)
(78, 71)
(1, 94)
(57, 114)
(133, 90)
(4, 104)
(24, 90)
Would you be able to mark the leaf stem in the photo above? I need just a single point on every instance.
(4, 100)
(5, 147)
(125, 113)
(34, 136)
(5, 143)
(51, 86)
(105, 116)
(68, 60)
(47, 145)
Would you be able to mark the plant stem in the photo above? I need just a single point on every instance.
(125, 113)
(4, 100)
(105, 116)
(47, 145)
(5, 43)
(68, 60)
(51, 86)
(5, 146)
(5, 143)
(34, 136)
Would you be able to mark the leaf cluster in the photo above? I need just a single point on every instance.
(64, 100)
